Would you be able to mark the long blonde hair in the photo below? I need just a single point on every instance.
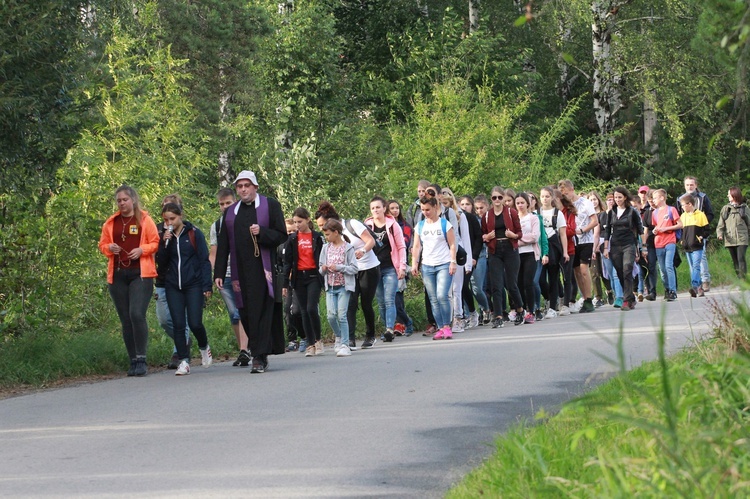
(137, 207)
(452, 204)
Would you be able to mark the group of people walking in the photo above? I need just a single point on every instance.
(517, 257)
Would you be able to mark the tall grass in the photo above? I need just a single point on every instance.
(677, 427)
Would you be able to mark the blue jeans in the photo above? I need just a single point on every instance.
(227, 294)
(614, 281)
(337, 305)
(187, 301)
(694, 258)
(537, 287)
(164, 317)
(386, 295)
(478, 280)
(665, 256)
(437, 283)
(705, 274)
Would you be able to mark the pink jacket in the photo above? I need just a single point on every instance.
(396, 240)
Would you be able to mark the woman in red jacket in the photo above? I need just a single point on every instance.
(129, 239)
(501, 230)
(569, 211)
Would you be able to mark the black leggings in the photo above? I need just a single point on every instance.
(131, 295)
(307, 294)
(550, 278)
(367, 285)
(526, 280)
(502, 268)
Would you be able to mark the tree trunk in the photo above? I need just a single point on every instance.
(650, 119)
(564, 34)
(473, 15)
(607, 82)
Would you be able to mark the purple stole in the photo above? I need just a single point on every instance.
(265, 253)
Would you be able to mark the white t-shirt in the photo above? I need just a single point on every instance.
(547, 217)
(526, 229)
(369, 260)
(435, 249)
(585, 209)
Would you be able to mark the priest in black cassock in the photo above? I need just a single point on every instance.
(251, 231)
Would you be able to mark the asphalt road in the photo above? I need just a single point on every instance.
(405, 419)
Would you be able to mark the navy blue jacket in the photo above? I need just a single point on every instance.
(185, 265)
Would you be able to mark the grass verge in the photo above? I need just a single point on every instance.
(675, 427)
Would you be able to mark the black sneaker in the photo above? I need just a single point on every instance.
(369, 342)
(651, 297)
(140, 367)
(174, 362)
(672, 296)
(352, 345)
(539, 315)
(131, 370)
(519, 318)
(588, 306)
(258, 365)
(497, 322)
(506, 318)
(610, 297)
(388, 336)
(243, 359)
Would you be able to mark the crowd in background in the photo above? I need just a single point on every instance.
(504, 258)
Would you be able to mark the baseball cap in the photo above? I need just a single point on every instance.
(643, 188)
(247, 175)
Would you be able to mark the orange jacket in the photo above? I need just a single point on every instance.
(149, 244)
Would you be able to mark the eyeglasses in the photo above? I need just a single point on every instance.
(495, 198)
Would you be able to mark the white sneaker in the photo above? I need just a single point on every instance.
(182, 369)
(512, 315)
(337, 344)
(474, 319)
(319, 348)
(576, 307)
(551, 314)
(564, 311)
(344, 351)
(206, 357)
(458, 325)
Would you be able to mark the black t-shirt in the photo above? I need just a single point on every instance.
(384, 252)
(500, 227)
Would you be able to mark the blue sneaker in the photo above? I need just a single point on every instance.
(302, 346)
(618, 303)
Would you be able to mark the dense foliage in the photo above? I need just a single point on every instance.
(339, 100)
